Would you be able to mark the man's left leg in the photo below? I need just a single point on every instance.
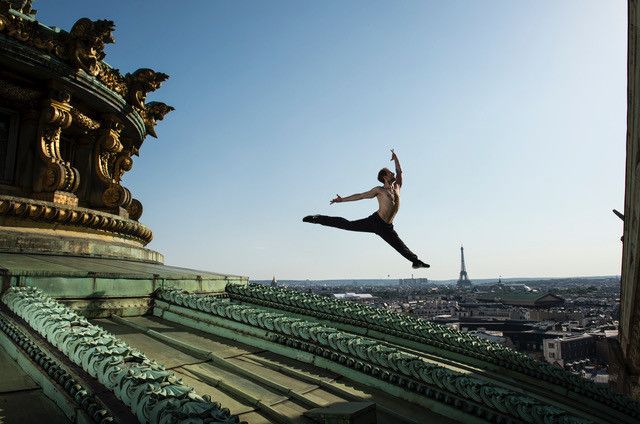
(390, 236)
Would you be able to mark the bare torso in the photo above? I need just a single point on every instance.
(388, 202)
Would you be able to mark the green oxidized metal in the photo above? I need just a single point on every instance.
(80, 395)
(439, 336)
(154, 394)
(385, 362)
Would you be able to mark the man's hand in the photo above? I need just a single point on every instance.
(338, 199)
(394, 158)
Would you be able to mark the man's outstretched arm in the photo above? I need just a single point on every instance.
(398, 168)
(366, 195)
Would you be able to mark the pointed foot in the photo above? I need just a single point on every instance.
(311, 219)
(420, 264)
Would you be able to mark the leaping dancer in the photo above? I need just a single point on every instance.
(380, 222)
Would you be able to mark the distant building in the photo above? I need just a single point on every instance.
(435, 307)
(412, 282)
(553, 315)
(493, 336)
(564, 350)
(355, 297)
(483, 310)
(526, 299)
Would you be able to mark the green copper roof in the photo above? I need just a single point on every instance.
(69, 266)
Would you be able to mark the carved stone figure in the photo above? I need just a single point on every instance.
(141, 82)
(86, 43)
(155, 111)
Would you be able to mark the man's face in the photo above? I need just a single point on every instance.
(391, 177)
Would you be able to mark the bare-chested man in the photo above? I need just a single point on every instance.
(380, 222)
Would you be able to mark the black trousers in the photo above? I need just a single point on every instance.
(372, 224)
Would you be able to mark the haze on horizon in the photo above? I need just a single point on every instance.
(509, 119)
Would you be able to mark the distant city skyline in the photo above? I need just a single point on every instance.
(509, 119)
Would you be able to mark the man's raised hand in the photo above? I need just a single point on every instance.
(338, 199)
(393, 155)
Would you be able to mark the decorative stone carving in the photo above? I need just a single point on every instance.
(107, 118)
(112, 160)
(83, 121)
(85, 45)
(83, 48)
(27, 31)
(154, 112)
(47, 212)
(17, 94)
(135, 209)
(57, 174)
(140, 83)
(153, 393)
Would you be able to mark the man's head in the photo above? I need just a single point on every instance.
(385, 176)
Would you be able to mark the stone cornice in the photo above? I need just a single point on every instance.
(153, 393)
(71, 216)
(442, 337)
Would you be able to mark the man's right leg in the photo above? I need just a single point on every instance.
(389, 235)
(366, 225)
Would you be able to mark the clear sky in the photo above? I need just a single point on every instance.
(509, 119)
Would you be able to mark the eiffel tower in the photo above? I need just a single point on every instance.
(463, 281)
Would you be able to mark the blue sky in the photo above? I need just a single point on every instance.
(509, 119)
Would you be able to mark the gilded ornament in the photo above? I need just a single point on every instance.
(154, 112)
(115, 195)
(53, 179)
(58, 173)
(123, 163)
(96, 220)
(86, 43)
(83, 121)
(141, 82)
(135, 209)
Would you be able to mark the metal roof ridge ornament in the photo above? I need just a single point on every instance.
(388, 363)
(153, 393)
(428, 333)
(84, 400)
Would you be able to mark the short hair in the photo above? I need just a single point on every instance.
(382, 173)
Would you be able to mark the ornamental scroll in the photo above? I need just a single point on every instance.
(112, 159)
(57, 174)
